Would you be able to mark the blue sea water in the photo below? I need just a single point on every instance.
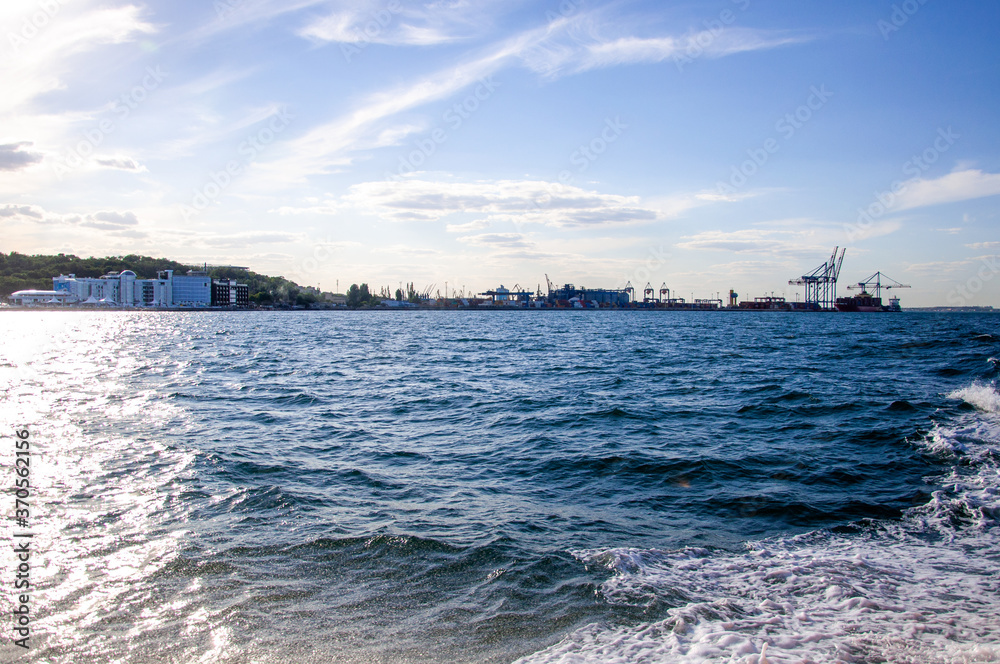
(539, 487)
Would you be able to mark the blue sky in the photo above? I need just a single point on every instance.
(701, 145)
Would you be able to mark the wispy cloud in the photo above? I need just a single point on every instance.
(517, 201)
(503, 240)
(784, 243)
(110, 220)
(581, 46)
(562, 47)
(957, 186)
(247, 238)
(941, 268)
(40, 64)
(393, 23)
(121, 163)
(105, 220)
(329, 145)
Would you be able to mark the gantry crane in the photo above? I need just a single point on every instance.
(821, 283)
(876, 281)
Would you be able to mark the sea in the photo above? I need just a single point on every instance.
(529, 487)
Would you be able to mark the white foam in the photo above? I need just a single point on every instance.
(981, 395)
(922, 589)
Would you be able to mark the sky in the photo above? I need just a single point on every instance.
(700, 146)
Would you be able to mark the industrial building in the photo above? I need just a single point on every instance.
(570, 296)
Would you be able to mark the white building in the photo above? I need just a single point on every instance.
(122, 289)
(32, 297)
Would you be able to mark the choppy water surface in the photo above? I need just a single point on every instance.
(490, 487)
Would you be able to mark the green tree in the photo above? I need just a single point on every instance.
(412, 296)
(262, 298)
(354, 296)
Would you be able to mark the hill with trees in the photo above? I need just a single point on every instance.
(21, 271)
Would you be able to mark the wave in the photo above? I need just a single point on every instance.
(920, 588)
(981, 395)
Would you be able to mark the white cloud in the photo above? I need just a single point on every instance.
(957, 186)
(517, 201)
(802, 244)
(121, 163)
(39, 63)
(14, 156)
(111, 220)
(403, 24)
(560, 48)
(984, 245)
(32, 212)
(578, 45)
(326, 207)
(502, 240)
(474, 225)
(940, 267)
(247, 238)
(861, 232)
(123, 223)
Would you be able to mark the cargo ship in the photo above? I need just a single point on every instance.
(865, 301)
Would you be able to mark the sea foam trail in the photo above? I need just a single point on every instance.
(924, 588)
(982, 396)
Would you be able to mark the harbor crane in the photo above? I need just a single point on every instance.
(821, 284)
(630, 289)
(876, 281)
(664, 293)
(647, 293)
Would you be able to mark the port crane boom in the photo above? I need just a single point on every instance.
(876, 281)
(821, 283)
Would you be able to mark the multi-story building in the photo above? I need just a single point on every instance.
(193, 289)
(124, 289)
(228, 293)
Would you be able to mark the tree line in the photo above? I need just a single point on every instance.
(22, 272)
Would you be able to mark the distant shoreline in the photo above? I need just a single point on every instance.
(921, 310)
